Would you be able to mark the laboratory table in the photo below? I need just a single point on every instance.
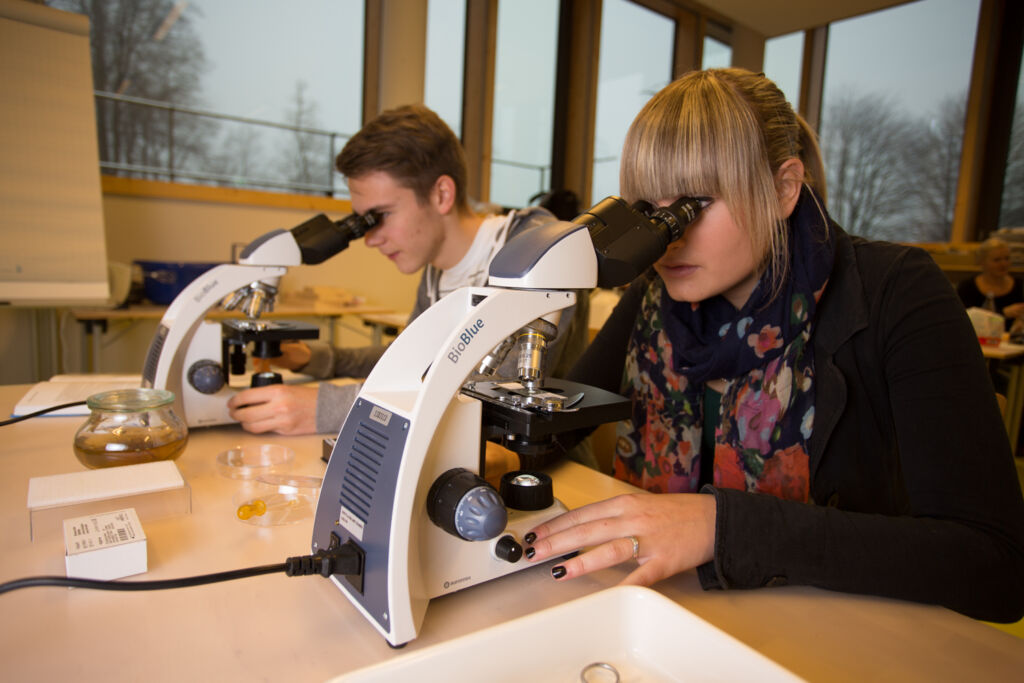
(277, 628)
(1012, 357)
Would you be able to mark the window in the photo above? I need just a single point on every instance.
(524, 100)
(446, 50)
(893, 119)
(717, 55)
(1011, 214)
(227, 92)
(627, 78)
(783, 61)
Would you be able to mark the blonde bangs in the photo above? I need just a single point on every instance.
(699, 137)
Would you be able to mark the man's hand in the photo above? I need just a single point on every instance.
(280, 408)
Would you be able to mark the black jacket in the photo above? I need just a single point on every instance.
(914, 490)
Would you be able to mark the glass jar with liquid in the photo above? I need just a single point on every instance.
(128, 427)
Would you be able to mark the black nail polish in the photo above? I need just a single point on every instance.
(530, 552)
(558, 572)
(530, 537)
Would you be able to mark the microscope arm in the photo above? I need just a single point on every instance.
(187, 311)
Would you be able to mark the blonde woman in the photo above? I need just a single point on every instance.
(995, 281)
(812, 408)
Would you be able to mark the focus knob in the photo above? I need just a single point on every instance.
(522, 490)
(206, 376)
(466, 506)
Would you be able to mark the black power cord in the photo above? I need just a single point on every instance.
(340, 559)
(19, 418)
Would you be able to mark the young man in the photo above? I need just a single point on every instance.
(409, 168)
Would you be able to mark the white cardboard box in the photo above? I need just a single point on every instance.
(107, 545)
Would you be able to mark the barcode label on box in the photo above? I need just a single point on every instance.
(92, 532)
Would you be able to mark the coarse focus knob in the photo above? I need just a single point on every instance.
(508, 549)
(522, 490)
(466, 506)
(206, 376)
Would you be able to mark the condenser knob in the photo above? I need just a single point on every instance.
(464, 505)
(522, 490)
(508, 549)
(206, 376)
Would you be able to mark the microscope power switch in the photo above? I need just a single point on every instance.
(508, 549)
(206, 376)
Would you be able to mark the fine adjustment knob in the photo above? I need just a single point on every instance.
(508, 549)
(522, 490)
(206, 376)
(464, 505)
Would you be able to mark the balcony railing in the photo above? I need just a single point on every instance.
(167, 160)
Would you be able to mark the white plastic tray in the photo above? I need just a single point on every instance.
(640, 632)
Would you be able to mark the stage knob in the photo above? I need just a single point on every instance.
(522, 490)
(206, 376)
(466, 506)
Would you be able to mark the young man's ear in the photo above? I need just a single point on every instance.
(443, 194)
(788, 181)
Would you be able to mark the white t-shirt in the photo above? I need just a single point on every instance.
(471, 270)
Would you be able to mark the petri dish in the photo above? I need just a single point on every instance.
(276, 499)
(250, 462)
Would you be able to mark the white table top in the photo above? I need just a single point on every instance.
(302, 629)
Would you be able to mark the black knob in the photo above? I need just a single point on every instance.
(522, 490)
(466, 506)
(262, 379)
(206, 376)
(508, 549)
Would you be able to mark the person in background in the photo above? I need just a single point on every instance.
(409, 168)
(809, 407)
(994, 282)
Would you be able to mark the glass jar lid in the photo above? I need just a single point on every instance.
(130, 400)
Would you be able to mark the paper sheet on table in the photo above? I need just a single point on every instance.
(67, 388)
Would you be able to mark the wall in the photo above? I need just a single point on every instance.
(185, 229)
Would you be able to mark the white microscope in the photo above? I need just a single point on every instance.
(404, 490)
(194, 358)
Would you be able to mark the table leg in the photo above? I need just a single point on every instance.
(1014, 402)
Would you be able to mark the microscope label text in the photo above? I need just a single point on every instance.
(464, 339)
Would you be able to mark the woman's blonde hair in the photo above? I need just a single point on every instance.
(722, 133)
(986, 247)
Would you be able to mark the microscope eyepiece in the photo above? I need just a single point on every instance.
(629, 239)
(320, 238)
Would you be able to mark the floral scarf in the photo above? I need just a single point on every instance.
(762, 351)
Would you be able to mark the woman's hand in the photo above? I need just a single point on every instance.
(675, 532)
(1014, 310)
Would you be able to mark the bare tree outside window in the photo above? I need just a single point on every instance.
(933, 163)
(1012, 213)
(893, 176)
(145, 49)
(165, 111)
(864, 142)
(302, 157)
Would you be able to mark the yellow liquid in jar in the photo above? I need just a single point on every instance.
(129, 446)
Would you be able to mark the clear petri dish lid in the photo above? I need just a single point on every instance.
(277, 499)
(252, 461)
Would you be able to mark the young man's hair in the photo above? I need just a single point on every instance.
(411, 144)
